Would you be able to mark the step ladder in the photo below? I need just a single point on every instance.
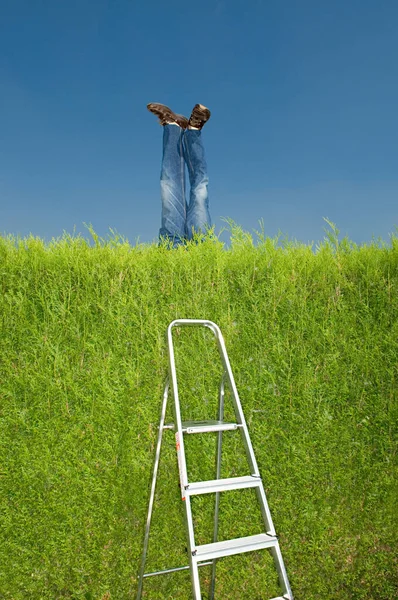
(207, 554)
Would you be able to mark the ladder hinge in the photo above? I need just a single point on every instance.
(194, 552)
(273, 534)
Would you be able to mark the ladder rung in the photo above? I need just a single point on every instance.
(204, 426)
(236, 546)
(222, 485)
(175, 569)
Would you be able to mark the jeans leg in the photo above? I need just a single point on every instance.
(198, 215)
(172, 186)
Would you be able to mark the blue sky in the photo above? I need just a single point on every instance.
(303, 94)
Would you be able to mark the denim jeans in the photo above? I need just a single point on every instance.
(180, 219)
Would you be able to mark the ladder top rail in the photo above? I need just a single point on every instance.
(204, 322)
(225, 360)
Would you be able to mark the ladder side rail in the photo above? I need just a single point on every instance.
(177, 410)
(153, 489)
(282, 574)
(218, 475)
(183, 468)
(265, 511)
(237, 403)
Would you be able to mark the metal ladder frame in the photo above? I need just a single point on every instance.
(209, 553)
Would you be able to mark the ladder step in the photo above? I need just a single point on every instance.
(207, 426)
(222, 485)
(236, 546)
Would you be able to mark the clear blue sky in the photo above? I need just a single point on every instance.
(303, 94)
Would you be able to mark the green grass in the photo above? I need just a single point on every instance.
(312, 336)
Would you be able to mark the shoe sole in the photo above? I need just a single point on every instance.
(164, 112)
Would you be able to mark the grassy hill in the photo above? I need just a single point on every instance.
(312, 336)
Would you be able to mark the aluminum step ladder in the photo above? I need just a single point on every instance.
(207, 554)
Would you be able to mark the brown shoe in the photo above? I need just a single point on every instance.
(166, 115)
(199, 116)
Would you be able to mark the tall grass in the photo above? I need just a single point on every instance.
(312, 337)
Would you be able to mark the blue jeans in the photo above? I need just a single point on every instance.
(180, 219)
